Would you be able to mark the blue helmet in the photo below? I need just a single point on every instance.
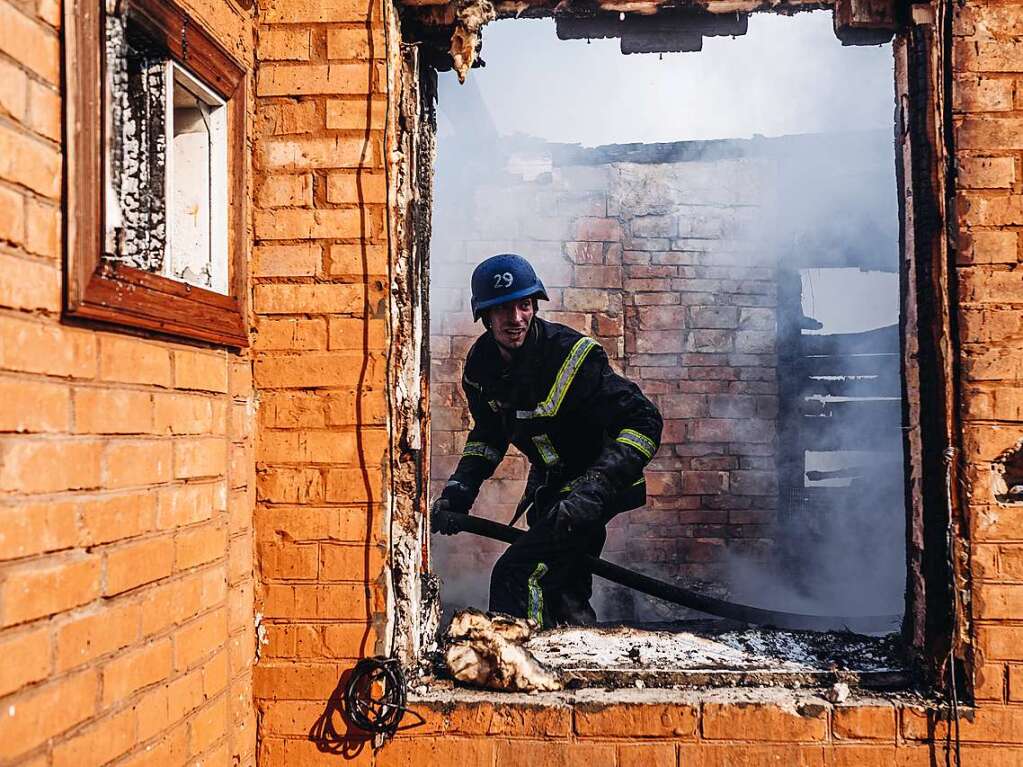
(502, 278)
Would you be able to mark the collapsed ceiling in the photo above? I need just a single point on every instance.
(451, 30)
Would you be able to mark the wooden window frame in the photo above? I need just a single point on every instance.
(101, 290)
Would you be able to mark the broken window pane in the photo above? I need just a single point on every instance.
(166, 193)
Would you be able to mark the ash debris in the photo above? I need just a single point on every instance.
(489, 651)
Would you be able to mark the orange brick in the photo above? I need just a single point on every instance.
(357, 187)
(283, 44)
(636, 720)
(13, 91)
(334, 641)
(357, 261)
(355, 44)
(166, 605)
(313, 79)
(515, 753)
(748, 755)
(1015, 682)
(763, 721)
(197, 639)
(42, 228)
(184, 695)
(988, 247)
(300, 153)
(26, 660)
(172, 748)
(647, 755)
(288, 118)
(316, 11)
(310, 681)
(36, 590)
(286, 260)
(865, 722)
(12, 215)
(288, 717)
(202, 457)
(992, 724)
(290, 334)
(48, 466)
(351, 563)
(311, 523)
(284, 485)
(136, 463)
(295, 191)
(356, 334)
(34, 406)
(182, 414)
(354, 114)
(44, 110)
(31, 721)
(289, 560)
(196, 370)
(353, 485)
(109, 411)
(38, 347)
(208, 726)
(28, 161)
(982, 94)
(998, 601)
(100, 743)
(986, 172)
(151, 713)
(116, 517)
(31, 528)
(240, 603)
(129, 360)
(186, 504)
(198, 546)
(130, 672)
(315, 369)
(302, 299)
(29, 284)
(134, 564)
(101, 632)
(340, 601)
(30, 43)
(215, 675)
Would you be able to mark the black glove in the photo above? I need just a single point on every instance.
(585, 506)
(456, 498)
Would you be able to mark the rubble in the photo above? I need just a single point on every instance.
(489, 651)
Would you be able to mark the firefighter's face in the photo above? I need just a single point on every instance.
(509, 322)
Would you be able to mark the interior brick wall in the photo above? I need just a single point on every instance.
(126, 587)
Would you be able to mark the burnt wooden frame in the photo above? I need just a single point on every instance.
(101, 290)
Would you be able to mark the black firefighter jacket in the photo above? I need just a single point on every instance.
(560, 403)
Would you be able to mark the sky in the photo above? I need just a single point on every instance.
(787, 74)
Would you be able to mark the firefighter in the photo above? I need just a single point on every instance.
(587, 432)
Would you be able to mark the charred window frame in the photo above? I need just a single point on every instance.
(935, 628)
(165, 52)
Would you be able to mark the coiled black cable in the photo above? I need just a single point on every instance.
(375, 697)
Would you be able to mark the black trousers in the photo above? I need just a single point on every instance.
(543, 577)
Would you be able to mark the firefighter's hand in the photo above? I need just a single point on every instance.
(584, 507)
(440, 521)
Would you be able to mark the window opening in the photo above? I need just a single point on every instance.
(166, 195)
(693, 214)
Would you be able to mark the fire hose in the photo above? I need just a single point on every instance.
(685, 597)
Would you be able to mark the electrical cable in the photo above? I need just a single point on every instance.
(949, 454)
(376, 695)
(681, 596)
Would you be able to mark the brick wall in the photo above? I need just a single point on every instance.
(125, 528)
(319, 298)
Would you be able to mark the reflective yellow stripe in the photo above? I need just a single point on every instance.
(641, 442)
(549, 407)
(546, 447)
(535, 609)
(484, 451)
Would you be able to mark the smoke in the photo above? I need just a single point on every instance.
(713, 219)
